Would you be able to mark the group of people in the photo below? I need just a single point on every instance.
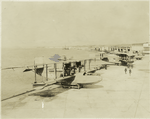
(129, 71)
(68, 71)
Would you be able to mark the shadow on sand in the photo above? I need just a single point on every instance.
(56, 91)
(50, 93)
(145, 70)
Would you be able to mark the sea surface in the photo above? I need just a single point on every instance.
(15, 81)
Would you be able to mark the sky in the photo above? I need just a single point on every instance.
(46, 24)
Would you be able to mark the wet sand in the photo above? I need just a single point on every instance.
(119, 95)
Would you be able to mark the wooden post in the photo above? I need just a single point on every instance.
(46, 72)
(35, 73)
(55, 70)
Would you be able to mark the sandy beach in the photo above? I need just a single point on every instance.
(119, 95)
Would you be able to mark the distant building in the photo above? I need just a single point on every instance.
(124, 48)
(146, 48)
(137, 47)
(121, 48)
(102, 48)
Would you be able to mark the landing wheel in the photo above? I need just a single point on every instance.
(78, 85)
(62, 85)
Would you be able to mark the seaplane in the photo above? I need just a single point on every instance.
(118, 58)
(107, 59)
(139, 56)
(126, 58)
(69, 73)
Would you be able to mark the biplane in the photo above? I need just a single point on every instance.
(62, 73)
(110, 59)
(126, 58)
(118, 58)
(139, 56)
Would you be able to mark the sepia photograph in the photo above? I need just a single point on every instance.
(75, 59)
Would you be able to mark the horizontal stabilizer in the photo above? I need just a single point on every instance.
(27, 70)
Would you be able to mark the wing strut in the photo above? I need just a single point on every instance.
(35, 74)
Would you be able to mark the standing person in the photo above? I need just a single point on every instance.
(80, 68)
(132, 66)
(130, 72)
(125, 70)
(72, 72)
(106, 67)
